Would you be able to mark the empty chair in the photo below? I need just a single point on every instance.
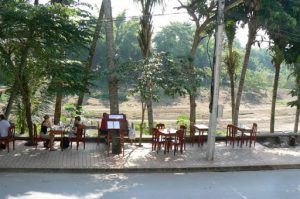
(251, 135)
(232, 135)
(160, 126)
(178, 142)
(158, 140)
(183, 128)
(79, 136)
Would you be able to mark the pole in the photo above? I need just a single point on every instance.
(217, 62)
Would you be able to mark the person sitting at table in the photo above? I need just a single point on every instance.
(44, 132)
(77, 122)
(4, 125)
(103, 126)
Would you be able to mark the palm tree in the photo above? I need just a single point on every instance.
(145, 38)
(232, 59)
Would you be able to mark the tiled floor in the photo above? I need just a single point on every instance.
(141, 159)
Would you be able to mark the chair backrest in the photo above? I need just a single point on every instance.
(80, 130)
(231, 129)
(183, 128)
(155, 135)
(179, 136)
(160, 126)
(11, 131)
(254, 128)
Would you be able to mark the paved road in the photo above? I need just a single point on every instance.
(227, 185)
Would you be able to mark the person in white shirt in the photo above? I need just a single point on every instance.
(4, 125)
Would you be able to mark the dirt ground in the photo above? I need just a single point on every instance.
(254, 108)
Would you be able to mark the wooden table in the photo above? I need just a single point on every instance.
(243, 129)
(202, 128)
(168, 133)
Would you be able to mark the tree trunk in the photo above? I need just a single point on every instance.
(274, 96)
(90, 57)
(144, 39)
(27, 103)
(22, 84)
(58, 103)
(142, 123)
(191, 72)
(11, 99)
(232, 96)
(252, 26)
(110, 49)
(150, 114)
(231, 72)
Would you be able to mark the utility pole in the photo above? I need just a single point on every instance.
(216, 78)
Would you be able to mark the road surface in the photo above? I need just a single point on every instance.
(209, 185)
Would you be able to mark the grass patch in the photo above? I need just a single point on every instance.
(282, 101)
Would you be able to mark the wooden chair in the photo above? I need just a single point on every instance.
(36, 137)
(178, 142)
(158, 140)
(183, 128)
(79, 137)
(232, 135)
(160, 126)
(251, 135)
(10, 137)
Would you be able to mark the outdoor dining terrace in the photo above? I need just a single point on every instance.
(94, 158)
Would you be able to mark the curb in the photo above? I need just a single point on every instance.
(151, 170)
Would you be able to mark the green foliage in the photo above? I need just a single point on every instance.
(174, 39)
(71, 109)
(282, 101)
(183, 120)
(257, 80)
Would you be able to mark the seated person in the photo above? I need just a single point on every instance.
(4, 125)
(44, 132)
(77, 122)
(103, 126)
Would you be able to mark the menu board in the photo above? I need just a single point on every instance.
(113, 124)
(118, 122)
(116, 117)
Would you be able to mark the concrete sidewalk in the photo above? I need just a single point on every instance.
(94, 159)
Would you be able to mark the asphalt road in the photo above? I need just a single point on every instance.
(279, 184)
